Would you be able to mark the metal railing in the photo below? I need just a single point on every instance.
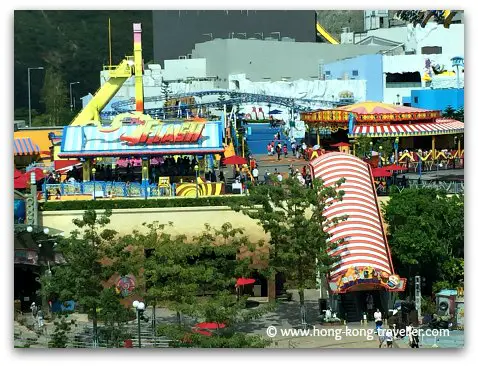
(108, 188)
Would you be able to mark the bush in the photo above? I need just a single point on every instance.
(182, 337)
(141, 203)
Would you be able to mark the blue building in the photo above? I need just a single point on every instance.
(438, 99)
(366, 67)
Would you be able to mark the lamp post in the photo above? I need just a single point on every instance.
(371, 148)
(196, 169)
(145, 182)
(29, 95)
(139, 306)
(380, 156)
(93, 171)
(45, 195)
(71, 95)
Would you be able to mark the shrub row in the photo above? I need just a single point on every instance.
(141, 203)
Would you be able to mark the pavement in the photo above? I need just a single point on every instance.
(282, 326)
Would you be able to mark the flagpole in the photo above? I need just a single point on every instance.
(109, 37)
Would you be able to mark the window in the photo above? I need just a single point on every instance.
(415, 99)
(327, 73)
(431, 50)
(354, 72)
(403, 80)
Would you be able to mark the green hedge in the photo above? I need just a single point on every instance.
(102, 204)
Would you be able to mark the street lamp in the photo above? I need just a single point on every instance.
(46, 230)
(29, 95)
(196, 169)
(45, 195)
(71, 95)
(139, 306)
(93, 171)
(380, 156)
(371, 148)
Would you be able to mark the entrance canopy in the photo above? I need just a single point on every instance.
(146, 139)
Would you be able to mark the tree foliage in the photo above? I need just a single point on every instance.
(196, 276)
(92, 253)
(426, 234)
(74, 42)
(294, 218)
(54, 96)
(59, 338)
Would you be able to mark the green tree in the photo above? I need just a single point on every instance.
(92, 253)
(426, 234)
(55, 97)
(59, 338)
(294, 218)
(459, 114)
(449, 112)
(362, 146)
(196, 276)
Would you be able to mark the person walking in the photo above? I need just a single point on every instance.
(381, 336)
(34, 309)
(279, 177)
(389, 338)
(255, 175)
(378, 319)
(413, 339)
(293, 147)
(278, 151)
(40, 319)
(284, 150)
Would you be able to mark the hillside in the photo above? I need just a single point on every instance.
(74, 42)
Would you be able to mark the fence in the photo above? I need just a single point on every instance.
(116, 189)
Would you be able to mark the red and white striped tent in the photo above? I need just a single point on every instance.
(440, 127)
(364, 262)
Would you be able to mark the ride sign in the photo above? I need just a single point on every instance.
(150, 131)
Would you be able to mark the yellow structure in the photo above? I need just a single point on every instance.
(118, 75)
(138, 67)
(325, 34)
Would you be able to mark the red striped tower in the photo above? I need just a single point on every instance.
(364, 240)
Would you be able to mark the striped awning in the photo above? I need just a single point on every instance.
(440, 127)
(25, 146)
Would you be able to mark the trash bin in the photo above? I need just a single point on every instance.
(257, 290)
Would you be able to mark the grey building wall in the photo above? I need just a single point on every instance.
(273, 59)
(176, 32)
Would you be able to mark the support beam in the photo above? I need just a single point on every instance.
(145, 172)
(138, 68)
(86, 166)
(459, 147)
(318, 137)
(433, 148)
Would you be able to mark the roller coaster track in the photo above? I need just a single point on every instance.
(298, 104)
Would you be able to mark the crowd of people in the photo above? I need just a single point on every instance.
(279, 148)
